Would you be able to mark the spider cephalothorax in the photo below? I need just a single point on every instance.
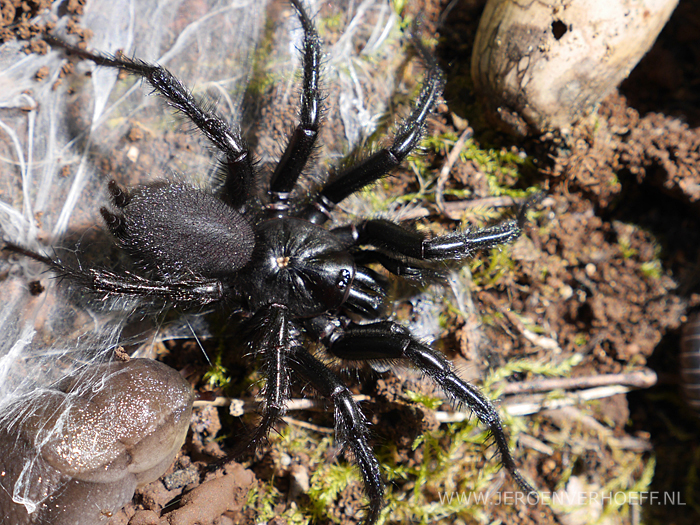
(298, 280)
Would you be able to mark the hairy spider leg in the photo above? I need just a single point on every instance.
(383, 161)
(277, 341)
(274, 339)
(302, 141)
(401, 250)
(351, 427)
(394, 262)
(237, 164)
(453, 246)
(367, 293)
(401, 266)
(387, 340)
(191, 291)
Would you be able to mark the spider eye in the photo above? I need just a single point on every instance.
(344, 279)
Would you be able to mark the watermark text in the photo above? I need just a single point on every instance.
(562, 498)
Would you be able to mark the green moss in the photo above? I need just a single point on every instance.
(488, 271)
(264, 499)
(581, 339)
(502, 167)
(327, 483)
(218, 375)
(625, 245)
(544, 367)
(261, 80)
(332, 24)
(652, 269)
(429, 402)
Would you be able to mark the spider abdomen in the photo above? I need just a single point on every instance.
(176, 229)
(300, 265)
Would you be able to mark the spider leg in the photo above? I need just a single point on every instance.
(453, 246)
(400, 241)
(367, 293)
(386, 341)
(302, 141)
(274, 339)
(382, 162)
(400, 266)
(185, 292)
(351, 426)
(395, 262)
(401, 250)
(237, 164)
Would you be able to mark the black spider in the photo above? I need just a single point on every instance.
(277, 262)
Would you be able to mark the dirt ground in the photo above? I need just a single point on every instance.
(594, 295)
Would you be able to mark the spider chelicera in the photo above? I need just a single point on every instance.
(276, 261)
